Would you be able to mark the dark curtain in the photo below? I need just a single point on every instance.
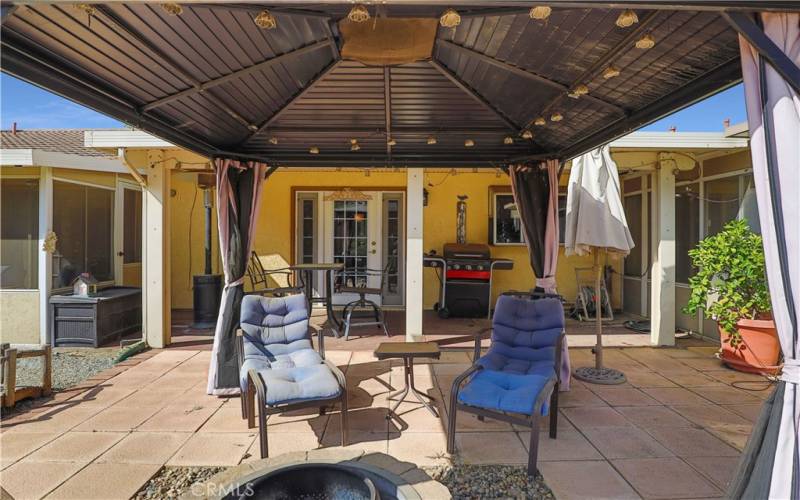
(238, 192)
(531, 187)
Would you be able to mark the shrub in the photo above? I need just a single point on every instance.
(731, 281)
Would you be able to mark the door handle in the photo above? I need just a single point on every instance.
(120, 253)
(373, 251)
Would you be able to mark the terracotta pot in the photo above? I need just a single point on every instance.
(759, 350)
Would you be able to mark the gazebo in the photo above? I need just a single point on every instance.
(415, 83)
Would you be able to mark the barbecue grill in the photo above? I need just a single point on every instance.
(465, 272)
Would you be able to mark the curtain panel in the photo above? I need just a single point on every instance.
(535, 190)
(239, 186)
(770, 465)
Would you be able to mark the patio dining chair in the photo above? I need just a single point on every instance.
(264, 281)
(348, 282)
(514, 380)
(279, 366)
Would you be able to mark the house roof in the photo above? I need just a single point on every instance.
(69, 141)
(271, 95)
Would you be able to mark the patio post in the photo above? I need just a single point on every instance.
(45, 258)
(414, 251)
(662, 297)
(156, 310)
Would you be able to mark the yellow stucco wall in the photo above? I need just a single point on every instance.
(276, 227)
(19, 316)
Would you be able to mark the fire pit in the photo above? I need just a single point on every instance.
(323, 474)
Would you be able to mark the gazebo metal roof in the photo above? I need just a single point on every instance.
(210, 80)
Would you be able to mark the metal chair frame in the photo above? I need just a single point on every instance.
(257, 387)
(259, 279)
(550, 390)
(363, 302)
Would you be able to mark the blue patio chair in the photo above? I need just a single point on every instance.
(278, 363)
(513, 381)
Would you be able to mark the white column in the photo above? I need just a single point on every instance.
(644, 271)
(45, 263)
(662, 299)
(414, 251)
(156, 308)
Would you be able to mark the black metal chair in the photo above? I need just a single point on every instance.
(347, 282)
(261, 279)
(513, 381)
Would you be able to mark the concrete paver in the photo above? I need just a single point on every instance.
(675, 428)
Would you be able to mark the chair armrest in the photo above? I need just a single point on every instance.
(559, 352)
(544, 395)
(476, 337)
(261, 388)
(321, 336)
(461, 378)
(239, 348)
(337, 373)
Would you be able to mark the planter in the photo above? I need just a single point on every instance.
(759, 351)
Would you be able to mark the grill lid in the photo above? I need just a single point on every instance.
(466, 251)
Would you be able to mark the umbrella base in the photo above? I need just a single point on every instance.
(605, 376)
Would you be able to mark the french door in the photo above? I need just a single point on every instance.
(362, 234)
(352, 234)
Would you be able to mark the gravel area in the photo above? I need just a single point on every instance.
(172, 482)
(71, 365)
(468, 482)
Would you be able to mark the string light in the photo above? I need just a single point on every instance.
(527, 134)
(646, 42)
(172, 8)
(611, 72)
(273, 140)
(540, 12)
(354, 145)
(358, 14)
(540, 121)
(86, 7)
(469, 143)
(578, 91)
(313, 150)
(265, 20)
(508, 140)
(627, 19)
(391, 141)
(432, 140)
(556, 117)
(450, 19)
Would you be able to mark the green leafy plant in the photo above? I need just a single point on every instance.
(731, 281)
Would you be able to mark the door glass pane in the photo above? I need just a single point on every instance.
(83, 220)
(350, 240)
(633, 213)
(687, 214)
(19, 233)
(69, 224)
(721, 203)
(132, 227)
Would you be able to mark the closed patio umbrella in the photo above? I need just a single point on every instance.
(596, 223)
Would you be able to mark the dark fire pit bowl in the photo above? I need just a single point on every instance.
(322, 474)
(313, 481)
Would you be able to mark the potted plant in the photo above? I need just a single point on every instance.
(730, 286)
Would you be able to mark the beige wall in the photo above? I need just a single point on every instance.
(19, 316)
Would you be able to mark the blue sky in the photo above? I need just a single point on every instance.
(32, 107)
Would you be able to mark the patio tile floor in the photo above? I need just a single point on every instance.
(675, 429)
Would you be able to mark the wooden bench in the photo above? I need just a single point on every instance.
(8, 371)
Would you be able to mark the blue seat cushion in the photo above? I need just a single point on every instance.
(519, 360)
(295, 355)
(287, 385)
(503, 391)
